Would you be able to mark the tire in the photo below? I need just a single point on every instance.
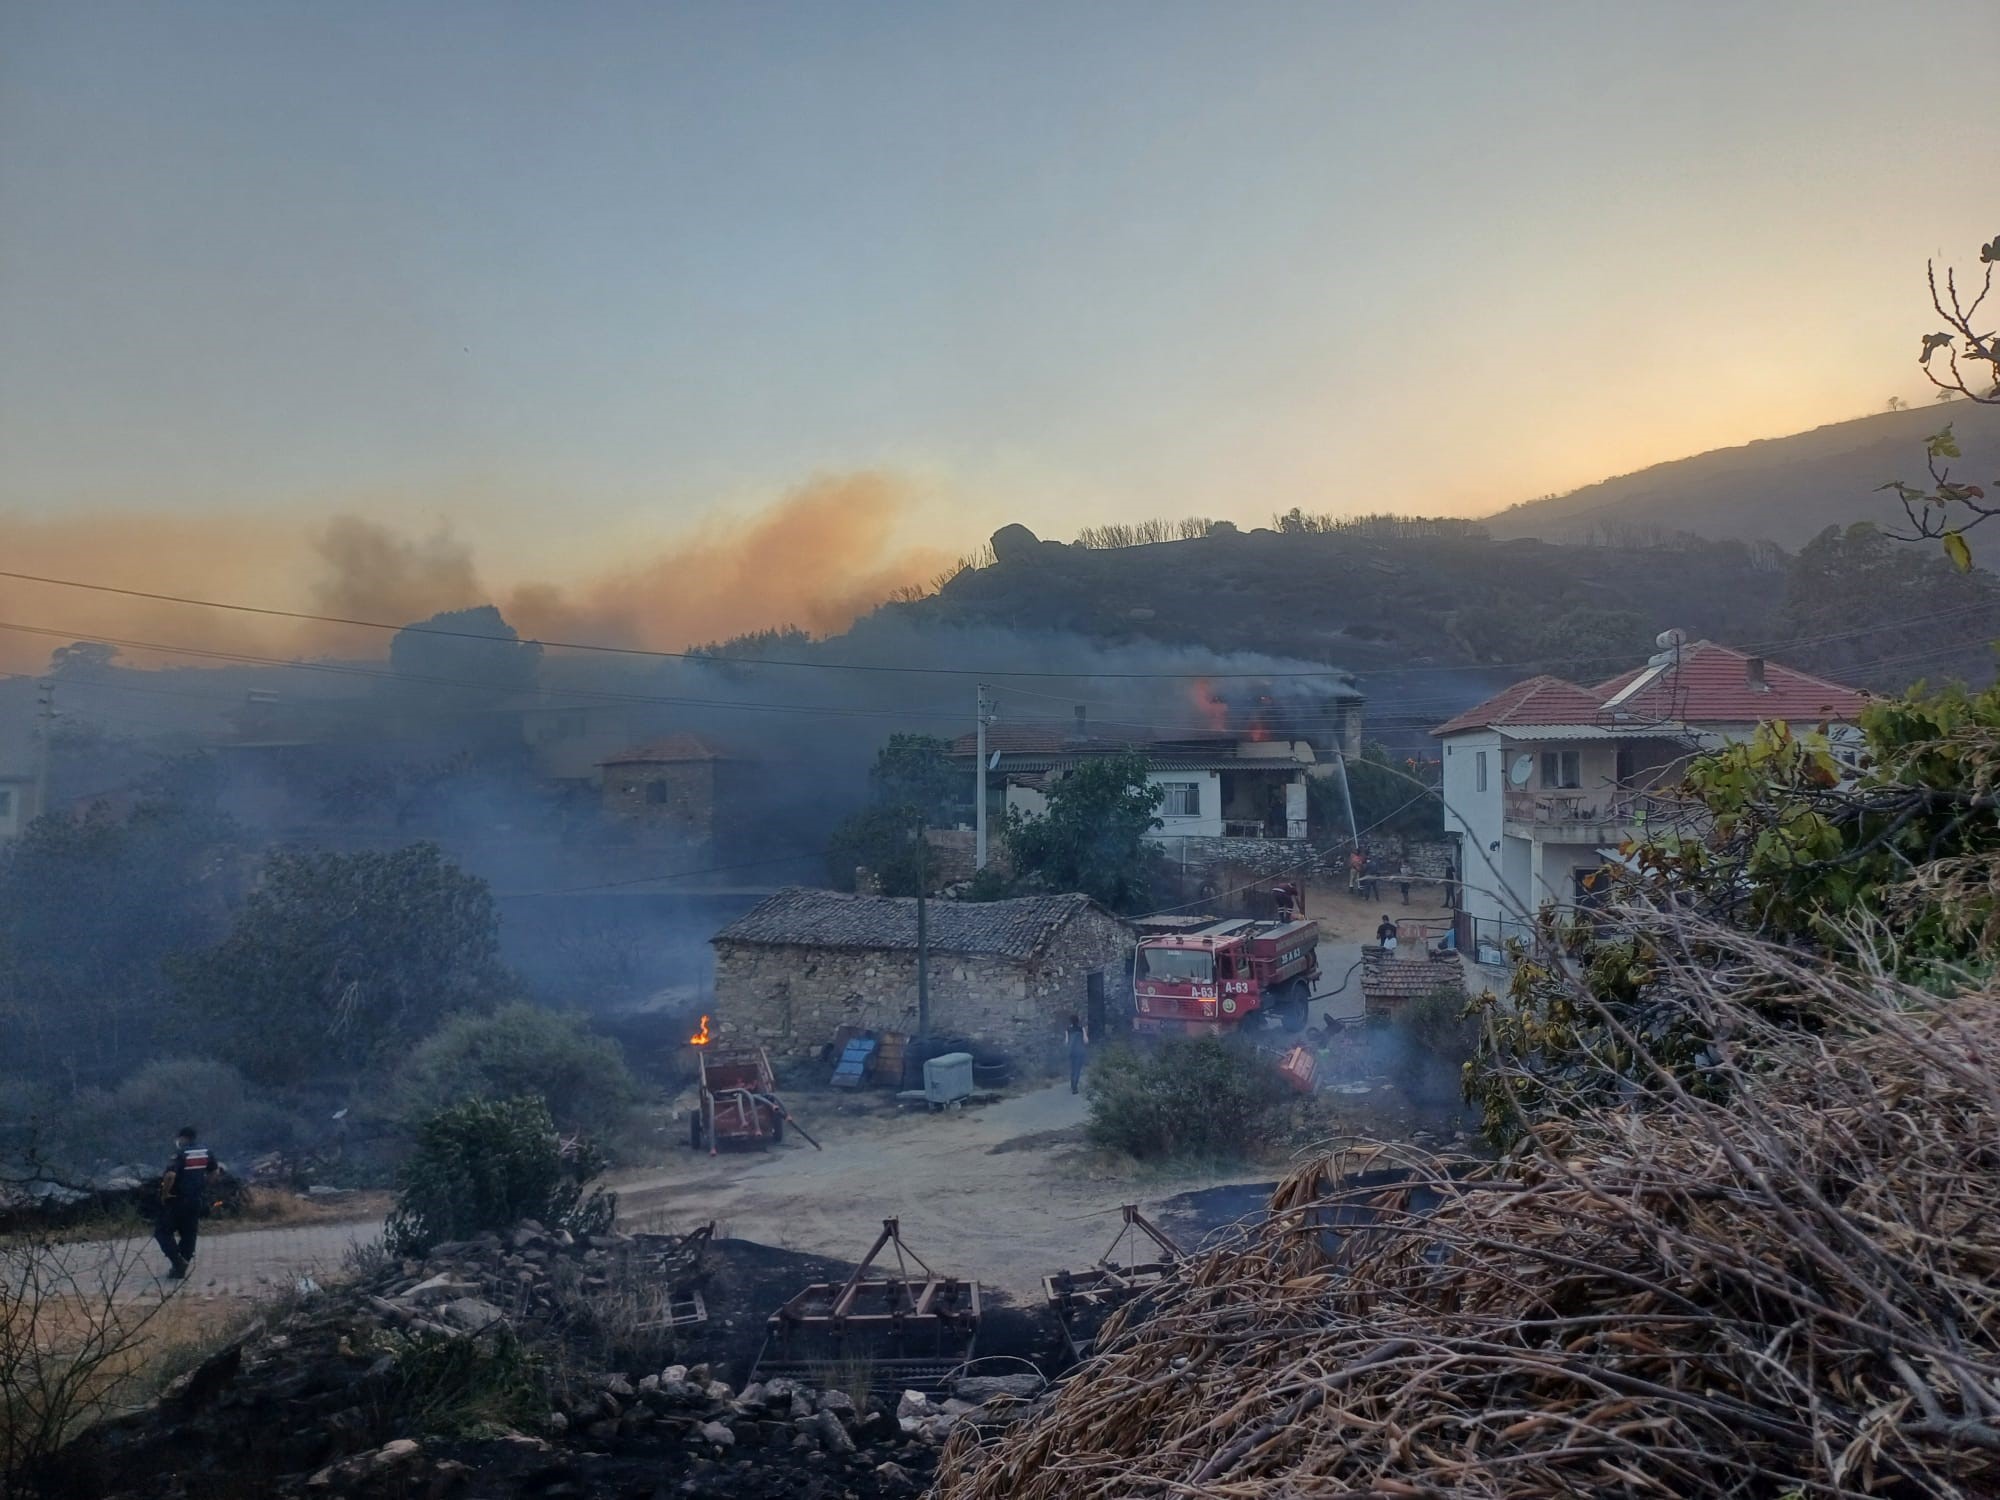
(1298, 1004)
(694, 1130)
(778, 1130)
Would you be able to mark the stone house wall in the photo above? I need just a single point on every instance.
(792, 999)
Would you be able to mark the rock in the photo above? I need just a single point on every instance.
(911, 1426)
(957, 1408)
(673, 1374)
(394, 1455)
(557, 1423)
(979, 1389)
(471, 1314)
(838, 1402)
(619, 1386)
(802, 1406)
(752, 1398)
(649, 1383)
(443, 1287)
(833, 1433)
(938, 1428)
(1014, 542)
(718, 1391)
(894, 1476)
(698, 1375)
(718, 1434)
(914, 1404)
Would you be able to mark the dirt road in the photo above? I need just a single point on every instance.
(1001, 1192)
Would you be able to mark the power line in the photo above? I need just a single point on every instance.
(636, 651)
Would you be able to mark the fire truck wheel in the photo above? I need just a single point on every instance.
(1298, 1003)
(778, 1130)
(694, 1130)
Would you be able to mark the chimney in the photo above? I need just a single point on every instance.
(1082, 731)
(1753, 674)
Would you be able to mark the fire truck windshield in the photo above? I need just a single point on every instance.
(1177, 964)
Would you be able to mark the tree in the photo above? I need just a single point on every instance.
(1970, 368)
(342, 960)
(475, 646)
(89, 908)
(1850, 591)
(1387, 797)
(912, 784)
(1093, 836)
(522, 1050)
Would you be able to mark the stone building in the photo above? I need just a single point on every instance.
(683, 788)
(1009, 974)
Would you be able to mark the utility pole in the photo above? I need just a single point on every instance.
(45, 707)
(923, 934)
(979, 785)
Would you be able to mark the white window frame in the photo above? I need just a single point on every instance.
(1568, 770)
(1192, 797)
(1479, 770)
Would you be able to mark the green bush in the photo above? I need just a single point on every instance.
(521, 1050)
(485, 1164)
(1202, 1098)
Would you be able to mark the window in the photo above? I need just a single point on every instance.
(1562, 769)
(1183, 799)
(1179, 964)
(656, 792)
(1479, 769)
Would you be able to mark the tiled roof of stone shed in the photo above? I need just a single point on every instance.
(808, 918)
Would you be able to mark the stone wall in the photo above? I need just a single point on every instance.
(793, 999)
(1258, 857)
(1427, 858)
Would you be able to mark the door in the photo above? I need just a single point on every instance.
(1295, 810)
(1093, 1004)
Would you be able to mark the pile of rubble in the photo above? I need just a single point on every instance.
(342, 1395)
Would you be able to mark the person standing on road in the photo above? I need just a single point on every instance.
(183, 1196)
(1355, 861)
(1403, 880)
(1078, 1040)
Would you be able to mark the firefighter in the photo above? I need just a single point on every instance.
(183, 1199)
(1078, 1039)
(1355, 862)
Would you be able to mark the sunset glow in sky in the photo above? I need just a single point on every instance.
(568, 279)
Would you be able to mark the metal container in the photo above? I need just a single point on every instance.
(948, 1079)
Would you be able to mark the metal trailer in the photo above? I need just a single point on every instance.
(899, 1331)
(1081, 1300)
(739, 1100)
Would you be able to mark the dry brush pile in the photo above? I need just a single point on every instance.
(1794, 1291)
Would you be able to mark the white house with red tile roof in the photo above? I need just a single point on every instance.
(1545, 777)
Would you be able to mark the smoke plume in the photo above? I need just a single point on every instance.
(818, 557)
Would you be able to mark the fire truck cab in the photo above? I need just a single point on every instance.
(1225, 975)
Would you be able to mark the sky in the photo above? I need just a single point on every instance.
(564, 285)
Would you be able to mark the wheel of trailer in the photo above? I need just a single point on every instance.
(777, 1130)
(1298, 1002)
(694, 1129)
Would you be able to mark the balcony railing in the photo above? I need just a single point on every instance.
(1604, 807)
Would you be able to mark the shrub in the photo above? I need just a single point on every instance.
(473, 1388)
(485, 1164)
(1202, 1098)
(517, 1051)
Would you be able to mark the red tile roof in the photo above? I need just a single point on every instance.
(1710, 684)
(668, 750)
(1539, 700)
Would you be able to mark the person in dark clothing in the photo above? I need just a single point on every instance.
(1450, 886)
(1385, 934)
(1403, 880)
(1079, 1046)
(183, 1196)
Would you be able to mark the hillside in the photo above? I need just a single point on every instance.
(1784, 490)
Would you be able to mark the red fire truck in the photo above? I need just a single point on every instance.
(1222, 975)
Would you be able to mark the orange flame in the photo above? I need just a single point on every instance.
(700, 1038)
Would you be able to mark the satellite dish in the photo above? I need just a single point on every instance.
(1522, 769)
